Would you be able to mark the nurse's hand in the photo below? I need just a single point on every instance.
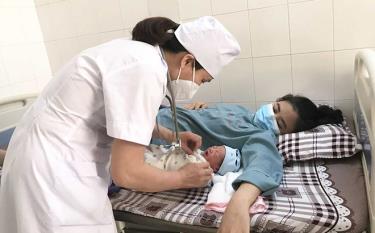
(190, 142)
(194, 175)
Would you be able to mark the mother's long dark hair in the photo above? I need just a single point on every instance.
(311, 115)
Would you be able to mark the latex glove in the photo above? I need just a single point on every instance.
(190, 141)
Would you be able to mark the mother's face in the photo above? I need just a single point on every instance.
(286, 116)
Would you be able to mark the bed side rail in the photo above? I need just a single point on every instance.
(364, 115)
(12, 109)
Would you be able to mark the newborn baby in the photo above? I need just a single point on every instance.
(222, 159)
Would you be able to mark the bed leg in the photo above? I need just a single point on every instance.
(120, 227)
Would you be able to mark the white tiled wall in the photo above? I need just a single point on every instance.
(269, 31)
(24, 65)
(288, 46)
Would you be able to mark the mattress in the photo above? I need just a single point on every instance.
(314, 196)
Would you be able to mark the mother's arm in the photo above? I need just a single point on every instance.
(262, 173)
(236, 217)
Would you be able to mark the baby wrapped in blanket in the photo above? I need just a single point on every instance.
(222, 159)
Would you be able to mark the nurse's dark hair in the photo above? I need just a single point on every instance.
(159, 31)
(310, 115)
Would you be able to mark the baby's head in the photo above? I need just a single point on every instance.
(222, 159)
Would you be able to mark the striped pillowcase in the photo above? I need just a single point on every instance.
(325, 141)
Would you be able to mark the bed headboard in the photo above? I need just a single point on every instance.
(12, 109)
(364, 118)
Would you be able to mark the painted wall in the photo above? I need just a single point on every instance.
(24, 65)
(294, 46)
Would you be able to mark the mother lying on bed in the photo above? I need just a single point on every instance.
(254, 134)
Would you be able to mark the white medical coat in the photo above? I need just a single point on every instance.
(56, 173)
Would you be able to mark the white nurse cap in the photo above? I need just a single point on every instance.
(209, 42)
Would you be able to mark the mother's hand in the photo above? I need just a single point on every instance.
(196, 106)
(236, 217)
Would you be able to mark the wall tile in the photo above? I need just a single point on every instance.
(344, 74)
(85, 42)
(68, 48)
(223, 7)
(41, 2)
(30, 25)
(11, 26)
(354, 23)
(253, 4)
(44, 17)
(269, 31)
(65, 18)
(239, 30)
(108, 36)
(272, 76)
(133, 12)
(194, 8)
(237, 83)
(16, 3)
(54, 55)
(311, 26)
(166, 8)
(6, 92)
(313, 75)
(24, 88)
(84, 17)
(347, 106)
(109, 16)
(294, 1)
(127, 33)
(262, 31)
(39, 61)
(17, 62)
(3, 73)
(324, 102)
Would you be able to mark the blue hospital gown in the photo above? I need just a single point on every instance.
(232, 125)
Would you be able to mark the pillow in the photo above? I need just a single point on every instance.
(325, 141)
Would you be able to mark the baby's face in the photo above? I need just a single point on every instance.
(215, 156)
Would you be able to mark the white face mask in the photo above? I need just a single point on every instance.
(184, 89)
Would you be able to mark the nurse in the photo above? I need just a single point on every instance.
(104, 101)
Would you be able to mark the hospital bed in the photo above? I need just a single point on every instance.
(331, 195)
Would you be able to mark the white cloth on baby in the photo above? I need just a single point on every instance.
(222, 191)
(169, 159)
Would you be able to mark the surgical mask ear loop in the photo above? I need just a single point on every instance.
(191, 86)
(178, 76)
